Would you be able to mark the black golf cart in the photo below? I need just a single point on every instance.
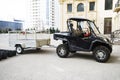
(83, 35)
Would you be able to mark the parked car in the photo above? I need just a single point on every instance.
(83, 35)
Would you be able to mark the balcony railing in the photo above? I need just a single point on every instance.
(117, 7)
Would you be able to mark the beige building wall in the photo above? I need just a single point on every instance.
(65, 15)
(102, 14)
(117, 15)
(117, 21)
(98, 15)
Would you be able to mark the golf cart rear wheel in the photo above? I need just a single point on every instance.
(101, 54)
(62, 51)
(19, 49)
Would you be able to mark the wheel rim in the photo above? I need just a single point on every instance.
(101, 54)
(62, 51)
(19, 49)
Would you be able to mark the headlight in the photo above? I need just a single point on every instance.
(105, 40)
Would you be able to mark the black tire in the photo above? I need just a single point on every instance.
(101, 54)
(9, 54)
(14, 53)
(38, 49)
(4, 55)
(19, 49)
(62, 51)
(0, 55)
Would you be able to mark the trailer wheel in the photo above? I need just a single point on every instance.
(101, 54)
(19, 49)
(62, 51)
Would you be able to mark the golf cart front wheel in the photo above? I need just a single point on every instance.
(19, 49)
(62, 51)
(101, 54)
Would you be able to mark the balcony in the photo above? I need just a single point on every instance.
(117, 7)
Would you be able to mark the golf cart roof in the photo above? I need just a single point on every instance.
(78, 19)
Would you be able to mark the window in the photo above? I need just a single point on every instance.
(108, 4)
(92, 6)
(69, 7)
(80, 7)
(107, 25)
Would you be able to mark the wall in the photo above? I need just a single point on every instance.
(98, 15)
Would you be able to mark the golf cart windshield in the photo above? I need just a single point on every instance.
(94, 28)
(82, 26)
(88, 27)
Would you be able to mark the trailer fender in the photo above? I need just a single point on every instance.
(22, 45)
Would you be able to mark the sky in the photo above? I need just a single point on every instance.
(17, 9)
(13, 9)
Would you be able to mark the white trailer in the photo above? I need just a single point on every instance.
(27, 39)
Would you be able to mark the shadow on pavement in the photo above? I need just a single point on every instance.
(41, 51)
(114, 59)
(82, 55)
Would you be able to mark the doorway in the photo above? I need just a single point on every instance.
(107, 25)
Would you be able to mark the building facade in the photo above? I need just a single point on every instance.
(44, 14)
(47, 11)
(53, 13)
(99, 11)
(117, 15)
(11, 25)
(38, 14)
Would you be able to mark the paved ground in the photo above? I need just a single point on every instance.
(46, 65)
